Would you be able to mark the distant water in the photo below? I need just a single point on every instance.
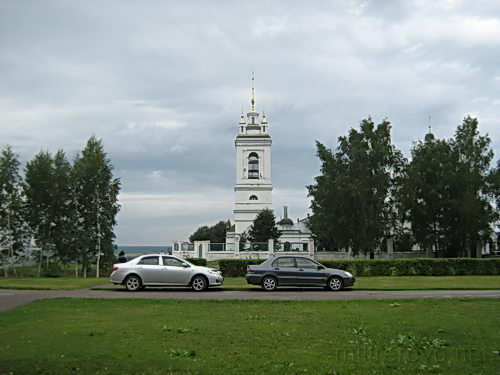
(134, 251)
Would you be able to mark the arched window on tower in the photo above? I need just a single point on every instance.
(253, 198)
(253, 165)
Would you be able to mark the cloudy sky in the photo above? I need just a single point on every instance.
(163, 84)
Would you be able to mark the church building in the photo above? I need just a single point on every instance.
(253, 187)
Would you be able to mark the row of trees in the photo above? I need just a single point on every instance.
(67, 209)
(263, 229)
(443, 198)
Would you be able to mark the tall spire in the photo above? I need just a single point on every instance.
(253, 93)
(429, 137)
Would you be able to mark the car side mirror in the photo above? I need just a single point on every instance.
(185, 265)
(321, 267)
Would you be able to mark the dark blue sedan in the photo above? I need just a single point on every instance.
(290, 270)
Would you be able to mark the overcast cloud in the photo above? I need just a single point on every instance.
(163, 84)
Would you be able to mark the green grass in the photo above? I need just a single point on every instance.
(239, 283)
(49, 283)
(401, 283)
(71, 336)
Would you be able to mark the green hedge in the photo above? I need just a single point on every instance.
(236, 267)
(388, 267)
(197, 261)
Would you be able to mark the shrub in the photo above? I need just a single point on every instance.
(387, 267)
(236, 267)
(417, 267)
(197, 261)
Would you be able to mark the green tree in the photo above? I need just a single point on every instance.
(61, 208)
(354, 198)
(200, 234)
(14, 231)
(264, 227)
(39, 198)
(474, 214)
(94, 204)
(429, 191)
(214, 234)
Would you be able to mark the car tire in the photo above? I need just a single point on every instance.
(269, 283)
(199, 283)
(133, 283)
(335, 283)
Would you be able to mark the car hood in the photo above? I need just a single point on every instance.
(205, 269)
(335, 271)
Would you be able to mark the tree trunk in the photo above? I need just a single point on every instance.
(40, 262)
(5, 269)
(372, 254)
(76, 268)
(97, 265)
(85, 271)
(428, 250)
(11, 247)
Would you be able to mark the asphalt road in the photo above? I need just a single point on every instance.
(10, 298)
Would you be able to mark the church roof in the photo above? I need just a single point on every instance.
(285, 221)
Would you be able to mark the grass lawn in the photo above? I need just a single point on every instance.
(401, 283)
(239, 283)
(49, 283)
(70, 336)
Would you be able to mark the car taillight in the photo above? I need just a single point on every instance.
(249, 270)
(115, 268)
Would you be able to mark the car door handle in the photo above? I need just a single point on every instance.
(300, 269)
(277, 269)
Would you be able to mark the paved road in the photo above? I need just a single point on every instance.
(10, 299)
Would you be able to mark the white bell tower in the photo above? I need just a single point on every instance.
(253, 188)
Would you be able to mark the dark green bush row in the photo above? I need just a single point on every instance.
(418, 267)
(236, 267)
(388, 267)
(197, 261)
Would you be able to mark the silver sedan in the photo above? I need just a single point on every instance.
(164, 270)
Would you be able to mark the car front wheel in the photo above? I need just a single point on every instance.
(199, 283)
(335, 283)
(133, 283)
(269, 284)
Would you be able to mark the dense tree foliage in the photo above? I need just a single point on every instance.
(95, 194)
(68, 208)
(354, 198)
(214, 234)
(14, 231)
(444, 198)
(264, 227)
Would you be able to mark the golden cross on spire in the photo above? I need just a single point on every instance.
(430, 128)
(253, 93)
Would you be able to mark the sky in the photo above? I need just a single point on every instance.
(163, 84)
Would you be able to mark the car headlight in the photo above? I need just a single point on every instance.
(348, 274)
(214, 272)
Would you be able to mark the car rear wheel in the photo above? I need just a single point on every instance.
(269, 284)
(133, 283)
(199, 283)
(335, 283)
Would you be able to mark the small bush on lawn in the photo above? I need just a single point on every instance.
(197, 261)
(387, 267)
(236, 267)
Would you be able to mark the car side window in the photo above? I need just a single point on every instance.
(172, 262)
(150, 261)
(305, 263)
(284, 262)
